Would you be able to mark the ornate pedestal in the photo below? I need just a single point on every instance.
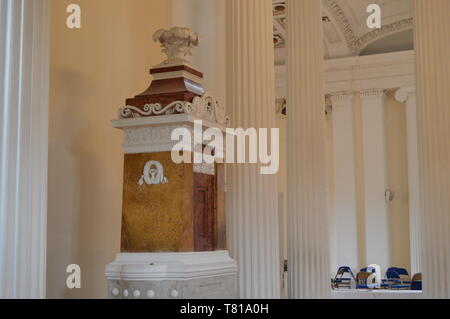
(173, 241)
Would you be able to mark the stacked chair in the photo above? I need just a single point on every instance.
(398, 278)
(368, 278)
(340, 280)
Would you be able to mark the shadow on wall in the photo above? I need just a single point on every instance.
(84, 187)
(93, 70)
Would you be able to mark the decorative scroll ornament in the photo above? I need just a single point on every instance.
(177, 43)
(153, 174)
(152, 109)
(205, 108)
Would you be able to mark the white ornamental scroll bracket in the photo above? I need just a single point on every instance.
(153, 174)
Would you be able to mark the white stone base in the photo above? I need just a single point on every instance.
(197, 275)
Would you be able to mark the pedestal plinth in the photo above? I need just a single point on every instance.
(196, 275)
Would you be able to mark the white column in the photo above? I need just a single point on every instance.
(432, 47)
(375, 178)
(308, 253)
(252, 197)
(345, 213)
(408, 96)
(23, 147)
(208, 19)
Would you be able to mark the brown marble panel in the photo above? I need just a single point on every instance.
(155, 218)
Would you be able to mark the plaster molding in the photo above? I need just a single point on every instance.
(149, 135)
(388, 70)
(339, 98)
(373, 93)
(339, 15)
(362, 42)
(151, 138)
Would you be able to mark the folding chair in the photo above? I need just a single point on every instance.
(394, 280)
(340, 281)
(404, 276)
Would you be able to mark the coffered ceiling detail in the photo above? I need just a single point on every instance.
(345, 28)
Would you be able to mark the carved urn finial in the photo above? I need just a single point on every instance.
(177, 43)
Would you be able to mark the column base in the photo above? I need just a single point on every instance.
(196, 275)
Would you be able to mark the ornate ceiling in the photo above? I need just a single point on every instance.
(345, 29)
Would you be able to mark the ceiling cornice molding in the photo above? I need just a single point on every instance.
(386, 30)
(339, 16)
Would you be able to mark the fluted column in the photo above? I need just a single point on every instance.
(24, 64)
(308, 253)
(432, 25)
(408, 96)
(375, 178)
(345, 218)
(252, 197)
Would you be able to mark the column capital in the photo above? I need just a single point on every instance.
(341, 97)
(280, 105)
(403, 94)
(373, 93)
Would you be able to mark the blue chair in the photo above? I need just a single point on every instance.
(394, 280)
(341, 281)
(365, 270)
(404, 275)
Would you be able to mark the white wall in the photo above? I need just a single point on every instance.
(208, 19)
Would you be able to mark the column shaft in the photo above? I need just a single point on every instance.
(375, 178)
(344, 182)
(308, 253)
(252, 197)
(432, 26)
(23, 147)
(408, 96)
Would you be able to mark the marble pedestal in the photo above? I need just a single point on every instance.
(195, 275)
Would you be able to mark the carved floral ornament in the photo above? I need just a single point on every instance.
(205, 107)
(177, 43)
